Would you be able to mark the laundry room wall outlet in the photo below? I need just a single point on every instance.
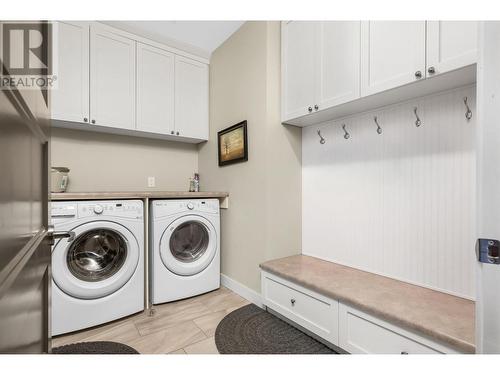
(151, 182)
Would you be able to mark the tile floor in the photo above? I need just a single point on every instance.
(181, 327)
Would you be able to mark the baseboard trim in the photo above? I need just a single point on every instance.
(244, 291)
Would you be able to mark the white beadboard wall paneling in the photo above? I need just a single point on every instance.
(400, 204)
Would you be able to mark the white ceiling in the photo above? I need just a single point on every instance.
(205, 36)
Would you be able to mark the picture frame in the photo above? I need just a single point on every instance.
(232, 144)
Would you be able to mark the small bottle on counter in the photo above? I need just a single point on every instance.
(196, 182)
(191, 185)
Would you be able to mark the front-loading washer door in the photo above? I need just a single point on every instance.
(100, 260)
(188, 245)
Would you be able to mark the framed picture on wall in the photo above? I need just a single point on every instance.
(233, 144)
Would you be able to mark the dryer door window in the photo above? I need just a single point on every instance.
(188, 245)
(96, 255)
(189, 241)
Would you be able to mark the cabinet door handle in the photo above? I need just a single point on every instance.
(292, 301)
(403, 352)
(93, 121)
(172, 132)
(310, 109)
(316, 107)
(177, 133)
(418, 74)
(431, 70)
(85, 119)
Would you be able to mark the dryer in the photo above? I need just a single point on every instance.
(97, 273)
(184, 248)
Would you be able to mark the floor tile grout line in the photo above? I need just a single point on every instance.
(202, 330)
(194, 342)
(171, 325)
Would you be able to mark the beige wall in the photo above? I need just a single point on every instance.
(107, 162)
(264, 217)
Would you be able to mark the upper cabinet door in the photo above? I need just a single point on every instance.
(70, 99)
(191, 98)
(450, 45)
(112, 79)
(155, 89)
(339, 63)
(392, 54)
(299, 68)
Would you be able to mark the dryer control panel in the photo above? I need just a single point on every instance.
(170, 207)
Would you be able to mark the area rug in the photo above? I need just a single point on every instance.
(252, 330)
(95, 347)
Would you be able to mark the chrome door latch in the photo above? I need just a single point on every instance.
(53, 235)
(488, 251)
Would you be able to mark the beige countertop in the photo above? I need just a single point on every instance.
(441, 316)
(136, 195)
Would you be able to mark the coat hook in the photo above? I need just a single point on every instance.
(321, 139)
(468, 113)
(379, 129)
(417, 121)
(346, 135)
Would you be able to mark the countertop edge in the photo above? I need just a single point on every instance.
(445, 339)
(135, 195)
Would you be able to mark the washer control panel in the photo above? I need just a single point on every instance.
(63, 210)
(120, 209)
(126, 209)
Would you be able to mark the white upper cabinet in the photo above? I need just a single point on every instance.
(339, 63)
(116, 82)
(155, 89)
(450, 45)
(320, 65)
(112, 79)
(392, 54)
(70, 99)
(326, 66)
(299, 67)
(191, 98)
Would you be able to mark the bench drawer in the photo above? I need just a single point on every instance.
(312, 311)
(363, 333)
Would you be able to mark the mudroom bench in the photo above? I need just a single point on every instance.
(361, 312)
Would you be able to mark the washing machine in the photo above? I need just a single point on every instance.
(98, 272)
(184, 248)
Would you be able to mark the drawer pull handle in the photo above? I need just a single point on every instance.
(404, 352)
(292, 301)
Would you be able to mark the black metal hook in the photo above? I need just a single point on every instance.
(379, 129)
(346, 135)
(418, 122)
(468, 113)
(321, 139)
